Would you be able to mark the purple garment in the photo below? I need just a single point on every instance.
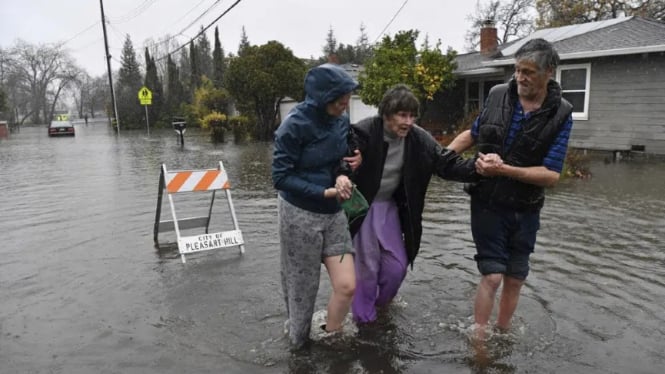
(380, 260)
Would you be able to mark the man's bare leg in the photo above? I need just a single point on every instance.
(485, 299)
(510, 295)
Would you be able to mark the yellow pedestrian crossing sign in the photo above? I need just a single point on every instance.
(145, 96)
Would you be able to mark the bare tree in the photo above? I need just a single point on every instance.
(18, 92)
(554, 13)
(36, 76)
(67, 74)
(513, 19)
(654, 9)
(80, 92)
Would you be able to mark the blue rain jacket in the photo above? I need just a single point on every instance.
(310, 144)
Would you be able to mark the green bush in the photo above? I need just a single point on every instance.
(240, 125)
(217, 123)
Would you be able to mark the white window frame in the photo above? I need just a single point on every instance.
(578, 114)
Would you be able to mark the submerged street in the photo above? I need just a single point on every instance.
(83, 288)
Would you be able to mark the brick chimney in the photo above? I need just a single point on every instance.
(488, 38)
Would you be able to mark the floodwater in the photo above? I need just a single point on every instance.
(83, 289)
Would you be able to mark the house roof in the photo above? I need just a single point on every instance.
(619, 36)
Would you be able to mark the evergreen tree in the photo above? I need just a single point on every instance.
(155, 85)
(330, 48)
(244, 42)
(218, 62)
(363, 47)
(203, 54)
(260, 78)
(195, 72)
(185, 72)
(175, 92)
(341, 53)
(129, 83)
(345, 55)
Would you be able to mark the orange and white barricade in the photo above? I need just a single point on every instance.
(207, 180)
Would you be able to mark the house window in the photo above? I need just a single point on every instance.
(575, 82)
(473, 100)
(478, 91)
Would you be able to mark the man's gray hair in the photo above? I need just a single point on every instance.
(539, 51)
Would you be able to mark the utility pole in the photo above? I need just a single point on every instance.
(108, 67)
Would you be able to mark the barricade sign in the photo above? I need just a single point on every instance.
(208, 180)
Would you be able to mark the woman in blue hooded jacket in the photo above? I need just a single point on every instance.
(311, 174)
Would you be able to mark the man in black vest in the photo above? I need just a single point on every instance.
(522, 138)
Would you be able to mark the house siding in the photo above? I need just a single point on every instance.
(626, 105)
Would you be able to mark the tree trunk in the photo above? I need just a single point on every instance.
(55, 99)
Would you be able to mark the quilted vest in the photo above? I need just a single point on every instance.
(530, 146)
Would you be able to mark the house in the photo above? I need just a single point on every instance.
(357, 109)
(613, 72)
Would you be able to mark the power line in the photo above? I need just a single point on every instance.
(391, 21)
(202, 31)
(118, 33)
(78, 49)
(181, 32)
(200, 16)
(77, 35)
(134, 12)
(187, 13)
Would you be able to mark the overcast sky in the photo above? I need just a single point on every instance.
(301, 25)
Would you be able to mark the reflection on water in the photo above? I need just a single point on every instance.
(84, 289)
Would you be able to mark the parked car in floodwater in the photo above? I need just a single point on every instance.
(61, 128)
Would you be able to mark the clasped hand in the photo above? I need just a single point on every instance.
(355, 160)
(344, 187)
(489, 165)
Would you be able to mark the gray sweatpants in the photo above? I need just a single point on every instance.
(305, 239)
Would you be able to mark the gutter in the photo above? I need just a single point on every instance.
(588, 54)
(480, 71)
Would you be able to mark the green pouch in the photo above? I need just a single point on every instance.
(356, 206)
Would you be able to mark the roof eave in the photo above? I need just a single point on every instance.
(589, 54)
(477, 72)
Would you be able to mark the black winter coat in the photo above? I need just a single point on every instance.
(423, 157)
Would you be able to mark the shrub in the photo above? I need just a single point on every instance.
(575, 165)
(240, 126)
(217, 124)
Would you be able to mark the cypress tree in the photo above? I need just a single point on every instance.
(218, 62)
(195, 72)
(129, 83)
(204, 56)
(175, 92)
(155, 85)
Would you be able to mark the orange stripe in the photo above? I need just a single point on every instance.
(207, 180)
(227, 185)
(178, 181)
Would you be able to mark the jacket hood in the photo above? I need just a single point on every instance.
(327, 82)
